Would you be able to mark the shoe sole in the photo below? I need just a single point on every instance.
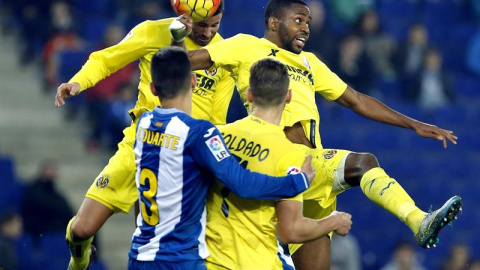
(451, 208)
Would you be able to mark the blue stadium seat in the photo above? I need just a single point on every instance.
(392, 17)
(30, 257)
(70, 62)
(11, 190)
(467, 86)
(458, 38)
(449, 115)
(55, 254)
(93, 29)
(101, 8)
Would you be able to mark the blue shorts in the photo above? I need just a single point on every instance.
(185, 265)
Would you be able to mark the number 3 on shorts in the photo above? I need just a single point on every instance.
(148, 190)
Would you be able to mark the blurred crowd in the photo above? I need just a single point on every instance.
(424, 54)
(405, 49)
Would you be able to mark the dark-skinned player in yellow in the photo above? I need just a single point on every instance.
(286, 32)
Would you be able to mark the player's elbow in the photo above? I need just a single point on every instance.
(289, 235)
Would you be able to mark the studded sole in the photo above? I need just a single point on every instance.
(455, 206)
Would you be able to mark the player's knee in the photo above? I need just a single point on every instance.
(81, 231)
(357, 164)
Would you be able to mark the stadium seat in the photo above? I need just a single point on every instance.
(93, 29)
(392, 16)
(101, 8)
(55, 254)
(11, 190)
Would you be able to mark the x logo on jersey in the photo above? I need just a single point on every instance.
(273, 53)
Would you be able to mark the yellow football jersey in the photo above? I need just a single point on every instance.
(241, 233)
(214, 86)
(307, 76)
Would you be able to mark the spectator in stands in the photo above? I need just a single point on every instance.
(322, 41)
(353, 65)
(458, 258)
(347, 12)
(432, 86)
(404, 258)
(10, 230)
(98, 101)
(345, 253)
(379, 46)
(473, 54)
(62, 36)
(33, 27)
(43, 208)
(475, 9)
(474, 265)
(411, 54)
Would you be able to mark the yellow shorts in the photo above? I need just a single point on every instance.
(115, 186)
(320, 200)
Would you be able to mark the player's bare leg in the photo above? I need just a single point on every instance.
(313, 255)
(80, 231)
(296, 134)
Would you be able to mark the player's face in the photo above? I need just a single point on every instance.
(203, 32)
(293, 28)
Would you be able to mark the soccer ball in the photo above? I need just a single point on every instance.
(199, 10)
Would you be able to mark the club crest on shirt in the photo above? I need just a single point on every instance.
(217, 148)
(103, 181)
(211, 72)
(330, 154)
(293, 170)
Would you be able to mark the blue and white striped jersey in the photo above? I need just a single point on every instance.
(177, 157)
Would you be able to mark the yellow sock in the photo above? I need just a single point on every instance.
(79, 250)
(388, 193)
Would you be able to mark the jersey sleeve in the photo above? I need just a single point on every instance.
(221, 98)
(102, 63)
(327, 83)
(226, 53)
(212, 153)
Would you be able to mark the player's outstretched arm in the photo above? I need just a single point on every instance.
(292, 227)
(373, 109)
(66, 90)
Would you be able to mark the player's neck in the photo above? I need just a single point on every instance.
(273, 37)
(182, 103)
(270, 115)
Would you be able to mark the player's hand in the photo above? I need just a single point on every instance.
(308, 169)
(180, 28)
(66, 90)
(436, 133)
(343, 221)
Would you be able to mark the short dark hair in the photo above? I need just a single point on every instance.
(269, 82)
(220, 9)
(275, 7)
(171, 71)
